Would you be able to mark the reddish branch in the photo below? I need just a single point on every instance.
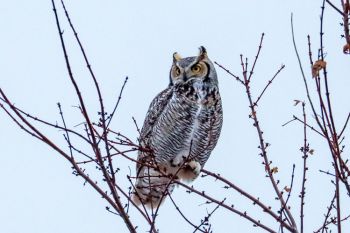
(109, 180)
(256, 59)
(228, 207)
(256, 201)
(305, 150)
(102, 109)
(32, 130)
(268, 84)
(295, 118)
(263, 145)
(183, 215)
(104, 157)
(325, 119)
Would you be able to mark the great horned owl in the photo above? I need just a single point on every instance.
(181, 129)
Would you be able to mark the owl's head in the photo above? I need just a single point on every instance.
(198, 68)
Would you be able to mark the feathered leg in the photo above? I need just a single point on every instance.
(151, 187)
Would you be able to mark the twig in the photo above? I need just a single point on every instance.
(344, 127)
(304, 77)
(305, 150)
(327, 215)
(309, 126)
(48, 123)
(206, 218)
(16, 121)
(66, 131)
(117, 204)
(230, 208)
(229, 72)
(255, 201)
(118, 101)
(262, 146)
(47, 141)
(182, 214)
(289, 194)
(256, 57)
(335, 8)
(172, 179)
(97, 87)
(137, 127)
(332, 128)
(268, 84)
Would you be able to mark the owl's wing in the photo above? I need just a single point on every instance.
(155, 109)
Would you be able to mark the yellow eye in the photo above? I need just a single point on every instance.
(177, 71)
(197, 68)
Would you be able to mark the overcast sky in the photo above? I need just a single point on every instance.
(137, 39)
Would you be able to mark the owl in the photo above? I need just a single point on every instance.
(181, 129)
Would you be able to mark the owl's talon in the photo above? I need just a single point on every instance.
(195, 167)
(176, 162)
(190, 171)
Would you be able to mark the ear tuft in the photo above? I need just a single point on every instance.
(176, 57)
(202, 53)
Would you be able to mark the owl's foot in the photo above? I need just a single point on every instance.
(177, 161)
(190, 171)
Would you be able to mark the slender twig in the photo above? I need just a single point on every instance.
(229, 72)
(182, 214)
(304, 78)
(262, 146)
(13, 118)
(268, 84)
(66, 131)
(327, 215)
(335, 145)
(344, 127)
(206, 218)
(295, 118)
(229, 207)
(81, 152)
(137, 127)
(110, 117)
(332, 220)
(47, 141)
(172, 178)
(35, 118)
(118, 206)
(256, 57)
(305, 150)
(256, 201)
(281, 211)
(335, 8)
(97, 87)
(326, 172)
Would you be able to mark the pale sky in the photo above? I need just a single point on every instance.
(137, 39)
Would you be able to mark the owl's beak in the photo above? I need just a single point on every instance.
(185, 78)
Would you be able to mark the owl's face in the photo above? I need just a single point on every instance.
(198, 68)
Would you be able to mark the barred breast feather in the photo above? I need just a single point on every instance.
(181, 129)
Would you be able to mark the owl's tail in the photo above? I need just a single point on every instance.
(151, 187)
